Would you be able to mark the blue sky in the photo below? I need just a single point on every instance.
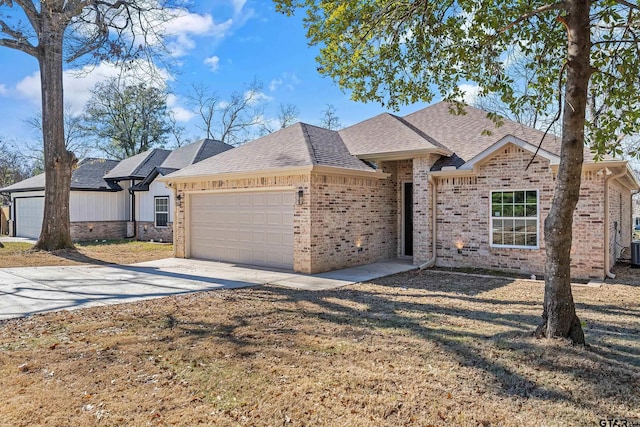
(224, 44)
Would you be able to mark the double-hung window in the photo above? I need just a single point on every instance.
(514, 219)
(162, 211)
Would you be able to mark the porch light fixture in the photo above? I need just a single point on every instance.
(90, 228)
(300, 197)
(145, 228)
(459, 245)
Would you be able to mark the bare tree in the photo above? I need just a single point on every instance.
(177, 133)
(330, 119)
(13, 168)
(82, 31)
(204, 102)
(74, 137)
(287, 115)
(233, 121)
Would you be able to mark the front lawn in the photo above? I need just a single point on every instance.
(18, 254)
(419, 348)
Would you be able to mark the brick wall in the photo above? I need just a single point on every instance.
(148, 231)
(422, 224)
(404, 171)
(301, 227)
(463, 215)
(620, 223)
(353, 220)
(338, 214)
(98, 230)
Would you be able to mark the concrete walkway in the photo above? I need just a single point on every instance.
(30, 290)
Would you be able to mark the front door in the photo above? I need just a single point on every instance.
(407, 219)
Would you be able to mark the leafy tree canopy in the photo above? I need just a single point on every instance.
(127, 119)
(403, 51)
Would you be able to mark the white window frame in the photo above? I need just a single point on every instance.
(536, 218)
(156, 211)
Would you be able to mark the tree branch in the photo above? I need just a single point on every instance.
(555, 119)
(556, 6)
(31, 12)
(24, 47)
(628, 4)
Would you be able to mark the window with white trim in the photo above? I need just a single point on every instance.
(162, 211)
(514, 219)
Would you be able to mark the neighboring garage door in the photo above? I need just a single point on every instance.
(249, 228)
(29, 213)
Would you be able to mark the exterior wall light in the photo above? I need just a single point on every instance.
(300, 198)
(459, 245)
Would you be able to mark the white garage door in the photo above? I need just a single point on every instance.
(29, 212)
(248, 228)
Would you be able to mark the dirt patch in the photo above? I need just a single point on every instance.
(419, 348)
(19, 254)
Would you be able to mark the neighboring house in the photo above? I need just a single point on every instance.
(154, 201)
(130, 172)
(434, 187)
(96, 208)
(112, 199)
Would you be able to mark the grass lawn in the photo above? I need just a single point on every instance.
(419, 348)
(18, 254)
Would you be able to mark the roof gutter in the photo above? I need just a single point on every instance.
(434, 234)
(607, 233)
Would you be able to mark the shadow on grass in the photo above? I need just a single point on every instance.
(77, 256)
(470, 346)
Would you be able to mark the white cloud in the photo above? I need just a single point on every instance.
(3, 90)
(186, 25)
(471, 93)
(213, 63)
(181, 114)
(255, 97)
(238, 5)
(275, 83)
(288, 80)
(78, 84)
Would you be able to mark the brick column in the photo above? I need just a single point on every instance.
(422, 233)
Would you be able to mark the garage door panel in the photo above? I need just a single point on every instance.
(29, 214)
(252, 228)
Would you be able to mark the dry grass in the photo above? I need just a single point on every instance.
(429, 348)
(19, 254)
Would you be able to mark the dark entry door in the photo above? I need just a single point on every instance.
(408, 219)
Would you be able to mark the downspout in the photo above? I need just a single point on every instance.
(607, 233)
(434, 234)
(133, 209)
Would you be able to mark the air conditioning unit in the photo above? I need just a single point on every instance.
(635, 254)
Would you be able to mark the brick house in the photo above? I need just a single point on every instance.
(438, 188)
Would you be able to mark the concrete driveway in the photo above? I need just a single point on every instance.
(30, 290)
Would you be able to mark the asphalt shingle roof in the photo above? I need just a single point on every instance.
(138, 166)
(469, 134)
(386, 133)
(87, 176)
(297, 145)
(194, 153)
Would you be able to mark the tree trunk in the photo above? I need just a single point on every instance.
(58, 162)
(559, 316)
